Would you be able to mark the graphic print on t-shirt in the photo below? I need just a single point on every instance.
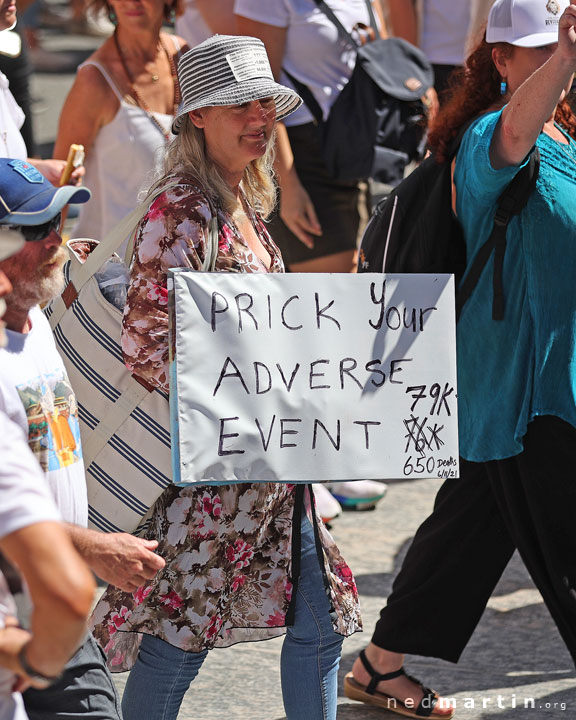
(52, 414)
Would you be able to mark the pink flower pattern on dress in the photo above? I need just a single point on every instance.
(214, 627)
(225, 239)
(240, 554)
(276, 620)
(171, 600)
(211, 505)
(343, 572)
(117, 619)
(237, 582)
(158, 294)
(141, 594)
(157, 209)
(220, 585)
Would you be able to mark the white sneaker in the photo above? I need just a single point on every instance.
(327, 506)
(358, 494)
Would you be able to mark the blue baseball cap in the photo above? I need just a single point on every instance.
(27, 198)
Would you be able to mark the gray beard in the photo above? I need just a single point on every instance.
(37, 292)
(40, 288)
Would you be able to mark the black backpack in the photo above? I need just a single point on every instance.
(377, 124)
(414, 229)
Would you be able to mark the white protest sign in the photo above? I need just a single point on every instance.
(303, 377)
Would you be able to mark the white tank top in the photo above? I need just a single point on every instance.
(126, 155)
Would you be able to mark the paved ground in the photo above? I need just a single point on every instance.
(515, 667)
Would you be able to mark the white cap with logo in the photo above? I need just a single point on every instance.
(526, 23)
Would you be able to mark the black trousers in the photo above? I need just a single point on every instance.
(459, 553)
(335, 202)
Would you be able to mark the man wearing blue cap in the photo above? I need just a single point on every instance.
(32, 536)
(35, 393)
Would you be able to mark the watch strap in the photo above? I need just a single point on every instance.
(32, 673)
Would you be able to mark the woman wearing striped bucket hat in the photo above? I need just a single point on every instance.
(242, 561)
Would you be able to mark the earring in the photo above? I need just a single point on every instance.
(172, 15)
(503, 87)
(112, 17)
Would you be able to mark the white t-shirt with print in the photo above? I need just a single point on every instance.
(24, 500)
(314, 53)
(36, 394)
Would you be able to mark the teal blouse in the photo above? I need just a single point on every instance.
(511, 371)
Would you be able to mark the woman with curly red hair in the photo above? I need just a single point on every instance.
(516, 376)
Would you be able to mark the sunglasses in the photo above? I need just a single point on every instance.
(34, 233)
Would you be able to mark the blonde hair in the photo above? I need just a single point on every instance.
(187, 154)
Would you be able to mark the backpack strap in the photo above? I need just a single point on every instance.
(510, 203)
(303, 90)
(342, 32)
(136, 388)
(372, 16)
(309, 100)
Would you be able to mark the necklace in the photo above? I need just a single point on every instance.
(142, 104)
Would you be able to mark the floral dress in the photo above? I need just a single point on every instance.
(230, 575)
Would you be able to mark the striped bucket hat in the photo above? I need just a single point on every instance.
(229, 70)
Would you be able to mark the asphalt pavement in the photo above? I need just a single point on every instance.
(515, 667)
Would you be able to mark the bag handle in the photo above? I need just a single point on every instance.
(137, 389)
(309, 100)
(81, 273)
(303, 90)
(342, 32)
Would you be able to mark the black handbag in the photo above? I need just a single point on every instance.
(378, 123)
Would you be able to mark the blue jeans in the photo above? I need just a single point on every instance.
(309, 662)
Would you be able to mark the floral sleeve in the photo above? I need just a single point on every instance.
(173, 233)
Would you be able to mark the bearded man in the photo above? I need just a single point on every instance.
(60, 585)
(35, 393)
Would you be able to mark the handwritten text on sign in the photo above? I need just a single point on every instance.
(294, 378)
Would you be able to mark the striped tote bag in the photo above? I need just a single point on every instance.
(124, 422)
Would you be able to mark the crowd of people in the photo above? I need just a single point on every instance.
(207, 129)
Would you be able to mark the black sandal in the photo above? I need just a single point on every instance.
(369, 695)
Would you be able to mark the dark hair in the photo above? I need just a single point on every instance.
(474, 89)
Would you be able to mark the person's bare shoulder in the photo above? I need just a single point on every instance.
(92, 87)
(176, 45)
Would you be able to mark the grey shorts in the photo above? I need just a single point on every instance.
(85, 690)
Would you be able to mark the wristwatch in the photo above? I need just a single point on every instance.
(35, 675)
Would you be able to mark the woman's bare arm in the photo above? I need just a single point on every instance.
(296, 208)
(90, 104)
(533, 104)
(403, 20)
